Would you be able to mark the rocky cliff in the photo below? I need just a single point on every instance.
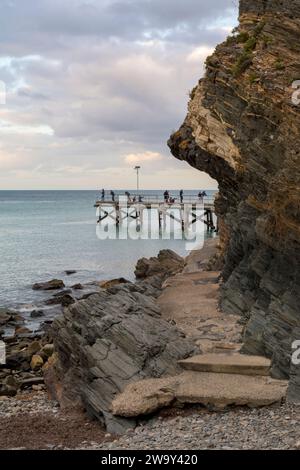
(243, 128)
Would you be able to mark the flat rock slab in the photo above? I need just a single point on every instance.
(205, 388)
(228, 364)
(221, 390)
(145, 397)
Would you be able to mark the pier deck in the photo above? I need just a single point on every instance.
(122, 207)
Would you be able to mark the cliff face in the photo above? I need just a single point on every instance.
(243, 128)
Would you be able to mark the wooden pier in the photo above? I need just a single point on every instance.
(122, 208)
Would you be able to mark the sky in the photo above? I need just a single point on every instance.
(91, 88)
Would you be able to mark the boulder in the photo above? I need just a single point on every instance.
(37, 314)
(31, 381)
(104, 343)
(166, 263)
(9, 386)
(8, 316)
(22, 330)
(36, 362)
(48, 349)
(63, 298)
(33, 348)
(15, 359)
(144, 397)
(113, 282)
(12, 382)
(67, 300)
(5, 317)
(52, 373)
(77, 287)
(54, 284)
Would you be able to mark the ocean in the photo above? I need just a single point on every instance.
(45, 233)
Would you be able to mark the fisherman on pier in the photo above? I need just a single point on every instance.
(166, 196)
(201, 195)
(112, 196)
(102, 195)
(181, 196)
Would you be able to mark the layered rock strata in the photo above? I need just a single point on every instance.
(243, 129)
(111, 339)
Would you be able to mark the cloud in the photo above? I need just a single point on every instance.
(146, 157)
(89, 82)
(199, 54)
(32, 22)
(9, 128)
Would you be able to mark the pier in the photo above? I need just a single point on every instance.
(123, 207)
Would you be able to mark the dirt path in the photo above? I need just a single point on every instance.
(191, 300)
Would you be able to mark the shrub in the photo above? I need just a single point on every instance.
(242, 37)
(253, 77)
(250, 45)
(230, 40)
(238, 39)
(258, 28)
(210, 61)
(267, 40)
(243, 62)
(279, 65)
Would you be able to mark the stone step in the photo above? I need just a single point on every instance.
(234, 363)
(213, 390)
(221, 390)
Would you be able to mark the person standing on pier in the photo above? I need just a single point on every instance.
(112, 196)
(166, 196)
(181, 196)
(200, 196)
(102, 195)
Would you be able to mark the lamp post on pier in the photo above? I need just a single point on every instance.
(137, 169)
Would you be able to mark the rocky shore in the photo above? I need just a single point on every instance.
(154, 346)
(116, 336)
(27, 349)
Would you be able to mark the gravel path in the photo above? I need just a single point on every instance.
(275, 427)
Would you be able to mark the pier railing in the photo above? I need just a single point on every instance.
(157, 199)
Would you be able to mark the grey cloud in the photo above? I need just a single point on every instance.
(127, 19)
(31, 94)
(108, 77)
